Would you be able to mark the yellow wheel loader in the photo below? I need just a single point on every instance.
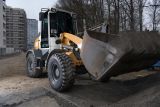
(63, 54)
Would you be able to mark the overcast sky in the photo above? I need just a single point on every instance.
(32, 7)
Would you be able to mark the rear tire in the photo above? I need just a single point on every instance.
(31, 67)
(61, 72)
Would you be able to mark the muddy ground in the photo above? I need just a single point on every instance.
(140, 89)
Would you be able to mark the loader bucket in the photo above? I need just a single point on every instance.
(106, 55)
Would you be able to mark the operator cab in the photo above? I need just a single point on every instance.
(53, 23)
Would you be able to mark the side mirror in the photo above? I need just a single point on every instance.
(41, 16)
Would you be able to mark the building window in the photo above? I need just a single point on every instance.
(4, 42)
(4, 17)
(4, 34)
(4, 9)
(4, 26)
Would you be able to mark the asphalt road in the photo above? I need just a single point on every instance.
(139, 89)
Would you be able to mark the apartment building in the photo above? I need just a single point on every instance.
(2, 24)
(16, 28)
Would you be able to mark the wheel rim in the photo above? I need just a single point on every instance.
(55, 72)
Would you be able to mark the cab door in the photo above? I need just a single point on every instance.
(53, 31)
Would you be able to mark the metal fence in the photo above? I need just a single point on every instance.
(2, 51)
(7, 51)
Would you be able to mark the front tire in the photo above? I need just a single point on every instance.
(31, 67)
(61, 72)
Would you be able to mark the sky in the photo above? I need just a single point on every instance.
(32, 7)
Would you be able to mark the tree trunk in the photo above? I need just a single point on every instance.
(141, 15)
(132, 22)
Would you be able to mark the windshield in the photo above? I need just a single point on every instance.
(62, 22)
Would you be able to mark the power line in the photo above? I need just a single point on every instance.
(158, 5)
(155, 5)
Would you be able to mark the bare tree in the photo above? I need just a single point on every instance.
(128, 6)
(120, 15)
(113, 14)
(116, 14)
(91, 10)
(141, 4)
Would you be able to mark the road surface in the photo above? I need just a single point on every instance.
(139, 89)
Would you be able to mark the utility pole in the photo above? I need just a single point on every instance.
(154, 16)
